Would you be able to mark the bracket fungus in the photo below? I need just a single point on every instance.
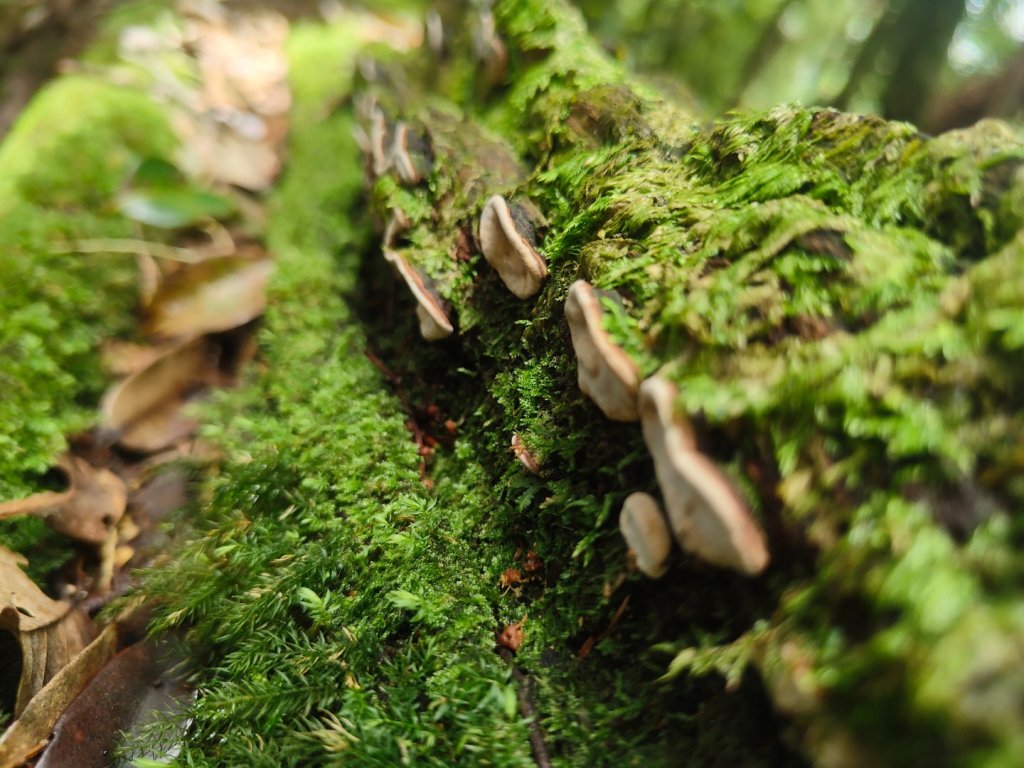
(378, 137)
(488, 48)
(410, 155)
(434, 321)
(645, 530)
(707, 516)
(506, 235)
(607, 375)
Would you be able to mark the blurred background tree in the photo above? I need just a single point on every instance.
(937, 63)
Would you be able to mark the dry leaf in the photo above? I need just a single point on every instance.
(214, 151)
(146, 409)
(214, 295)
(126, 695)
(27, 735)
(49, 632)
(93, 504)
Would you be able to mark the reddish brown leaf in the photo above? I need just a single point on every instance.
(125, 695)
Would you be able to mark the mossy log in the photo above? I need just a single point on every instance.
(839, 302)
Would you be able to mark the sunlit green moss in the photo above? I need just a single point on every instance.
(64, 159)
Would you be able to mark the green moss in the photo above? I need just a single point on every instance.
(59, 168)
(798, 274)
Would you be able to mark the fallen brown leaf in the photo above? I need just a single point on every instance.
(126, 694)
(214, 295)
(93, 504)
(49, 632)
(145, 410)
(27, 735)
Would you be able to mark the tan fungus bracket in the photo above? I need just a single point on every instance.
(410, 155)
(506, 235)
(434, 322)
(488, 48)
(607, 375)
(378, 137)
(645, 530)
(707, 515)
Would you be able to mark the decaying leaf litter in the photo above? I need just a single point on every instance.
(202, 280)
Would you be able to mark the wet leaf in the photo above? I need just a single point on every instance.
(214, 295)
(145, 410)
(27, 735)
(50, 633)
(127, 694)
(87, 511)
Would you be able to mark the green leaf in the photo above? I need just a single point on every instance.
(173, 208)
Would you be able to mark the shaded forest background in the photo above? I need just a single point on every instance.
(940, 64)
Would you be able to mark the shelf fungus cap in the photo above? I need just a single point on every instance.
(505, 239)
(410, 155)
(607, 375)
(434, 321)
(379, 133)
(707, 515)
(646, 533)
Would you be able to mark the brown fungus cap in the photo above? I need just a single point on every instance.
(645, 530)
(607, 375)
(505, 241)
(434, 322)
(707, 516)
(410, 155)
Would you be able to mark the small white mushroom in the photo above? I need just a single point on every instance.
(434, 322)
(707, 516)
(606, 374)
(645, 530)
(504, 239)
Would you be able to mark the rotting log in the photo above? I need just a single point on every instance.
(839, 303)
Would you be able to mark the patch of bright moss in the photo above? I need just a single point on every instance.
(59, 168)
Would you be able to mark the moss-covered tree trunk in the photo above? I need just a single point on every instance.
(839, 302)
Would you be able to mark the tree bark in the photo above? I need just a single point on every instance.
(839, 301)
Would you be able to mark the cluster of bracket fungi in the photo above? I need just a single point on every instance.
(703, 511)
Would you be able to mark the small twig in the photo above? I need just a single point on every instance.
(593, 640)
(526, 709)
(130, 246)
